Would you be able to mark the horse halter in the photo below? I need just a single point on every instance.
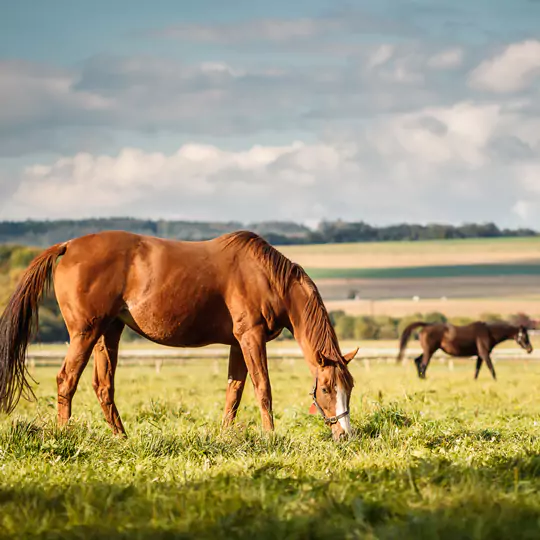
(328, 420)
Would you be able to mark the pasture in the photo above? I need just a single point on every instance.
(447, 457)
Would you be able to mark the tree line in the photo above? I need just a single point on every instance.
(45, 233)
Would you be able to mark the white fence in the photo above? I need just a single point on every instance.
(157, 356)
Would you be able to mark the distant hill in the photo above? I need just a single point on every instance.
(45, 233)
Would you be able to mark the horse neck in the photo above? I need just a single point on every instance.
(503, 332)
(298, 296)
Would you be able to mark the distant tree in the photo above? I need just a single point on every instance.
(365, 328)
(491, 318)
(521, 319)
(387, 327)
(335, 316)
(345, 327)
(409, 319)
(460, 321)
(435, 317)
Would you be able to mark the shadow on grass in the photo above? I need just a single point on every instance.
(259, 507)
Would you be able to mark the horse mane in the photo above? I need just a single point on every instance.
(282, 273)
(503, 327)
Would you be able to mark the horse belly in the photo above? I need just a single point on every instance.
(459, 349)
(199, 323)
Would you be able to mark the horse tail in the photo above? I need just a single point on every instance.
(406, 335)
(19, 323)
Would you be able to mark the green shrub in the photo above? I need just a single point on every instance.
(345, 327)
(435, 317)
(365, 328)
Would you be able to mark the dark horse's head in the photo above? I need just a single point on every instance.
(522, 339)
(332, 393)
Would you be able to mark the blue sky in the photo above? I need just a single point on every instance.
(389, 111)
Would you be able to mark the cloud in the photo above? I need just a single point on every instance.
(274, 30)
(286, 30)
(511, 71)
(388, 131)
(213, 98)
(381, 55)
(447, 59)
(36, 92)
(433, 164)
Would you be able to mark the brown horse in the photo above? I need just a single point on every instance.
(475, 339)
(235, 290)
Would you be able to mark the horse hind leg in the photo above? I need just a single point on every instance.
(78, 354)
(235, 385)
(105, 362)
(423, 365)
(417, 362)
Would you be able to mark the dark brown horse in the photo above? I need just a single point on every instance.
(475, 339)
(236, 290)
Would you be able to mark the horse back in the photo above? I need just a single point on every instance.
(166, 290)
(463, 340)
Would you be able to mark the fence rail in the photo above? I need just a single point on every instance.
(144, 356)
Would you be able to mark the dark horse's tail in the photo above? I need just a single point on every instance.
(406, 335)
(19, 323)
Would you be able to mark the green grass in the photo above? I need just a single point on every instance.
(443, 458)
(462, 270)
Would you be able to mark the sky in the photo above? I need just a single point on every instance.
(389, 111)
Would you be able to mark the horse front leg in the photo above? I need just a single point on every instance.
(253, 345)
(485, 354)
(478, 366)
(235, 385)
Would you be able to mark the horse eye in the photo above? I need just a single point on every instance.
(324, 391)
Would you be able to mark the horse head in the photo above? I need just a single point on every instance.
(332, 392)
(522, 339)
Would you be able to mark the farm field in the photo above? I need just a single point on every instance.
(412, 254)
(451, 307)
(446, 458)
(472, 277)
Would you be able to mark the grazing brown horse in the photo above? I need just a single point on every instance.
(475, 339)
(236, 290)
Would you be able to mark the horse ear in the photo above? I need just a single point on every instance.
(322, 360)
(349, 356)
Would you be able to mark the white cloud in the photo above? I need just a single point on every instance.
(529, 176)
(402, 136)
(381, 55)
(274, 30)
(447, 59)
(146, 94)
(30, 92)
(511, 71)
(435, 164)
(524, 209)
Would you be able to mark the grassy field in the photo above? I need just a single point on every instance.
(444, 458)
